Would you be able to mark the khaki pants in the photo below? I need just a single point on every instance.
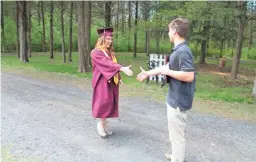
(176, 126)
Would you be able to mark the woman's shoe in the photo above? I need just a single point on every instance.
(101, 130)
(168, 156)
(109, 133)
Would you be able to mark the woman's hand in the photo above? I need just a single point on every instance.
(127, 70)
(121, 82)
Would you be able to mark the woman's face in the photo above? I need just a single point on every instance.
(108, 41)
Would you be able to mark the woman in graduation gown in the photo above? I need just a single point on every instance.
(105, 80)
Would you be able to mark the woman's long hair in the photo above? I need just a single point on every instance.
(100, 44)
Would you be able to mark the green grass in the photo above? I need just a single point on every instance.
(244, 64)
(208, 86)
(42, 62)
(212, 87)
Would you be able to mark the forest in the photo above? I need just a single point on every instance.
(59, 36)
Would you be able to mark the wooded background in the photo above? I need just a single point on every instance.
(217, 28)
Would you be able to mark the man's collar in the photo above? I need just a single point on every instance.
(179, 45)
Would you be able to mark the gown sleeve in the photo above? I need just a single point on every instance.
(106, 66)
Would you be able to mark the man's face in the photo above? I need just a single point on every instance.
(108, 41)
(171, 34)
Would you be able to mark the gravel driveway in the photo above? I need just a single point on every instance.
(47, 121)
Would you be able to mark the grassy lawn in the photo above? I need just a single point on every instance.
(215, 92)
(209, 84)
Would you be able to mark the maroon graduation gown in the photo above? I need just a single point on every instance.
(105, 93)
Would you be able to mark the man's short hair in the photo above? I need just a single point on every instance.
(181, 25)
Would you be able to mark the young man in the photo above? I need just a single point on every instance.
(180, 73)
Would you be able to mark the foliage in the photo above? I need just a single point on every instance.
(221, 17)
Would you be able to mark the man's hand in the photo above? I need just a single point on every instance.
(142, 75)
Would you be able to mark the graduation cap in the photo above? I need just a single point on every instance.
(105, 32)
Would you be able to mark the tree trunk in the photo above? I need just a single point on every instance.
(148, 43)
(197, 44)
(203, 52)
(250, 31)
(204, 43)
(208, 43)
(123, 16)
(39, 14)
(108, 13)
(239, 40)
(43, 40)
(157, 42)
(81, 37)
(70, 32)
(254, 87)
(51, 30)
(135, 30)
(250, 37)
(87, 33)
(233, 46)
(221, 47)
(26, 32)
(22, 31)
(29, 29)
(146, 11)
(62, 32)
(117, 20)
(17, 31)
(129, 25)
(145, 17)
(2, 25)
(87, 23)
